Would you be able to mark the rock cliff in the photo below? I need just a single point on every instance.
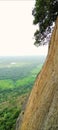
(42, 108)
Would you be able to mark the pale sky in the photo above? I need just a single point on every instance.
(17, 30)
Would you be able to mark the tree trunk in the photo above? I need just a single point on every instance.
(42, 108)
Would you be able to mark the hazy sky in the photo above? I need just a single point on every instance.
(16, 29)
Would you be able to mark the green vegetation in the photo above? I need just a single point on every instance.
(45, 13)
(16, 82)
(6, 84)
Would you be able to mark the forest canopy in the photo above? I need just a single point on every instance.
(45, 13)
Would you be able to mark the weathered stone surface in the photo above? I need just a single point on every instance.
(42, 108)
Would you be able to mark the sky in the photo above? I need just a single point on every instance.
(17, 29)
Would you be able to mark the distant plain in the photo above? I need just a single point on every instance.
(17, 76)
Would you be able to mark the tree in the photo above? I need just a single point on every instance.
(45, 13)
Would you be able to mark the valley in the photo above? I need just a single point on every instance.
(17, 76)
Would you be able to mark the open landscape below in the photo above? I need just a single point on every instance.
(17, 76)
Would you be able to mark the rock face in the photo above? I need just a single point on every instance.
(42, 108)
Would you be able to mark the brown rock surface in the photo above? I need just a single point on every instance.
(42, 108)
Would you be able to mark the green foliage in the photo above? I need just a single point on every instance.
(6, 84)
(8, 118)
(15, 87)
(45, 13)
(25, 81)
